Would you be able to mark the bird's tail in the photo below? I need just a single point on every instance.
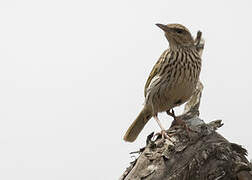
(137, 126)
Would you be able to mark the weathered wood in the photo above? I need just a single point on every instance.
(205, 155)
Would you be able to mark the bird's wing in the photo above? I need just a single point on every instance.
(154, 75)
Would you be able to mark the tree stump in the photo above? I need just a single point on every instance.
(204, 155)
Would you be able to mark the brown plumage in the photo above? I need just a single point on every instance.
(171, 81)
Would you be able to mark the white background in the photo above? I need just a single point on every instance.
(72, 75)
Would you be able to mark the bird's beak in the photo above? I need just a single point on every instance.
(163, 27)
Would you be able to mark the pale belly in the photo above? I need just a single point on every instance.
(180, 94)
(175, 96)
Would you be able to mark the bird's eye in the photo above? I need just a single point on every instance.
(179, 31)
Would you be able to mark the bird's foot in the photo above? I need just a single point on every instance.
(180, 122)
(163, 135)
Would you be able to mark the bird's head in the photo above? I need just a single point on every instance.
(177, 35)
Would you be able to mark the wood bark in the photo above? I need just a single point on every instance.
(203, 155)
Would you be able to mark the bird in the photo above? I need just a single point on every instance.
(172, 80)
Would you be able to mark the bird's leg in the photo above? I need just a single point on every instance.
(179, 121)
(171, 113)
(163, 132)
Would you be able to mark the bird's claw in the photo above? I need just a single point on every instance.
(164, 135)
